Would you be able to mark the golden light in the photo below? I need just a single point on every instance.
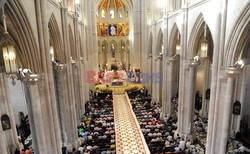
(51, 51)
(103, 48)
(123, 47)
(9, 57)
(204, 44)
(177, 48)
(204, 49)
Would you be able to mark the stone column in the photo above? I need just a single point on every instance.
(72, 128)
(231, 74)
(187, 114)
(171, 61)
(242, 97)
(136, 46)
(191, 96)
(204, 110)
(7, 108)
(3, 145)
(32, 87)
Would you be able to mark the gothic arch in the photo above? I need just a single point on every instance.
(20, 30)
(196, 35)
(72, 44)
(122, 42)
(56, 40)
(81, 46)
(239, 33)
(150, 44)
(173, 39)
(159, 42)
(128, 3)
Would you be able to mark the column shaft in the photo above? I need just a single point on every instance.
(3, 145)
(227, 114)
(190, 103)
(36, 117)
(7, 108)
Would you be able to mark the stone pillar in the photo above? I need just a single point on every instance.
(72, 128)
(47, 96)
(187, 118)
(7, 108)
(231, 74)
(205, 102)
(3, 145)
(136, 46)
(170, 81)
(242, 97)
(33, 86)
(191, 96)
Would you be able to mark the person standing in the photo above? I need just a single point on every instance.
(17, 151)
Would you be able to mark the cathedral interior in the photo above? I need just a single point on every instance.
(125, 76)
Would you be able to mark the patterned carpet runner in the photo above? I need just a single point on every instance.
(129, 138)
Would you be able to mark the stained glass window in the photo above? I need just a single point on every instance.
(127, 13)
(97, 13)
(112, 14)
(121, 13)
(103, 13)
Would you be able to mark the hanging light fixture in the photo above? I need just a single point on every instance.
(52, 54)
(178, 44)
(9, 52)
(204, 44)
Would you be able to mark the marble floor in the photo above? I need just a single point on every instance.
(129, 138)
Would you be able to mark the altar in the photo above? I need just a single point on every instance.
(117, 83)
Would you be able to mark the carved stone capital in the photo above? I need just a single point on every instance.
(194, 63)
(230, 72)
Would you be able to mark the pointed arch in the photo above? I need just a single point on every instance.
(104, 53)
(55, 39)
(104, 44)
(122, 48)
(159, 42)
(196, 35)
(20, 30)
(81, 47)
(128, 3)
(113, 42)
(239, 33)
(72, 44)
(150, 44)
(173, 40)
(122, 43)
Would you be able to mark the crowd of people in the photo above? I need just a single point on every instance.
(160, 134)
(236, 147)
(97, 128)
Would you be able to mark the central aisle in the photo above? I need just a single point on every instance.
(129, 138)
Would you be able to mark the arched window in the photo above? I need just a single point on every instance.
(127, 13)
(121, 13)
(112, 14)
(97, 13)
(103, 13)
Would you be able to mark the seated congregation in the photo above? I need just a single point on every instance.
(98, 133)
(97, 128)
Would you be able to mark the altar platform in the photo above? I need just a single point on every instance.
(118, 89)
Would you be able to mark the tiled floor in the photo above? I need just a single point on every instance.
(129, 139)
